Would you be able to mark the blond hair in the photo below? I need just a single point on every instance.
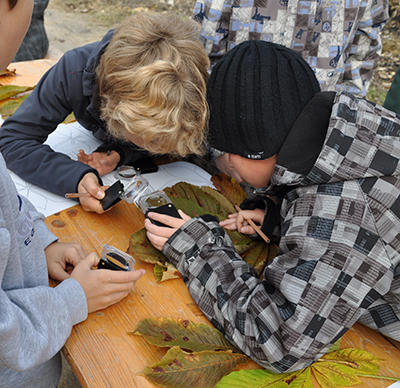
(152, 81)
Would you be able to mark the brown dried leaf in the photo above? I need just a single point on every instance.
(169, 332)
(179, 369)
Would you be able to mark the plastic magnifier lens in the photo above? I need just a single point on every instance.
(125, 172)
(135, 188)
(114, 259)
(152, 200)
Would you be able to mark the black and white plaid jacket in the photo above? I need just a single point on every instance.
(339, 250)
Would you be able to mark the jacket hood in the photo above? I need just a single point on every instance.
(360, 140)
(89, 74)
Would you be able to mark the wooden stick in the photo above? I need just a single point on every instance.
(255, 227)
(77, 195)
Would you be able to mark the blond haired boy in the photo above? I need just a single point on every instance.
(35, 319)
(141, 89)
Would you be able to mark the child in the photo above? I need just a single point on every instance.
(338, 39)
(143, 87)
(325, 167)
(36, 320)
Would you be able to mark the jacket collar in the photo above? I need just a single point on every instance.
(89, 73)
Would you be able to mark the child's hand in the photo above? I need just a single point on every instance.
(158, 235)
(62, 258)
(90, 184)
(237, 221)
(102, 162)
(103, 287)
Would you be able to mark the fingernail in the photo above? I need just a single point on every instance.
(103, 162)
(100, 194)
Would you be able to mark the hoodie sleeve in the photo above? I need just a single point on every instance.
(35, 319)
(35, 322)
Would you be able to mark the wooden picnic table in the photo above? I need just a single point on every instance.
(100, 350)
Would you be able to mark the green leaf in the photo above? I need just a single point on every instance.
(7, 91)
(335, 346)
(8, 73)
(168, 332)
(140, 247)
(179, 369)
(165, 271)
(262, 378)
(339, 368)
(8, 108)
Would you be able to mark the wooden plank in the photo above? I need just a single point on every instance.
(102, 342)
(27, 73)
(362, 337)
(100, 350)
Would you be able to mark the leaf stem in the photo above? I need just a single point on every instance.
(379, 377)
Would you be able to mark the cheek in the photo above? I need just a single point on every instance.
(13, 27)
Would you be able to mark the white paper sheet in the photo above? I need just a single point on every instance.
(69, 139)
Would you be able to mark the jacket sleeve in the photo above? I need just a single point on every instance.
(366, 49)
(35, 320)
(215, 21)
(23, 134)
(309, 297)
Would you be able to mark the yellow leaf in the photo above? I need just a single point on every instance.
(7, 91)
(361, 360)
(334, 375)
(339, 368)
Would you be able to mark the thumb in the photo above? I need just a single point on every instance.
(91, 260)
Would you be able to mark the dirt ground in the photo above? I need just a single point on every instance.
(73, 23)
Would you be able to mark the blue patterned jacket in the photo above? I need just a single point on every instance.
(338, 39)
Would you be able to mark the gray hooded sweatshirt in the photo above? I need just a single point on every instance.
(35, 319)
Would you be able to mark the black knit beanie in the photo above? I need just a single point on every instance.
(256, 92)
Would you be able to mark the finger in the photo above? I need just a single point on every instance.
(95, 190)
(125, 279)
(161, 231)
(59, 273)
(92, 204)
(74, 254)
(157, 241)
(228, 224)
(184, 215)
(92, 260)
(173, 222)
(247, 230)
